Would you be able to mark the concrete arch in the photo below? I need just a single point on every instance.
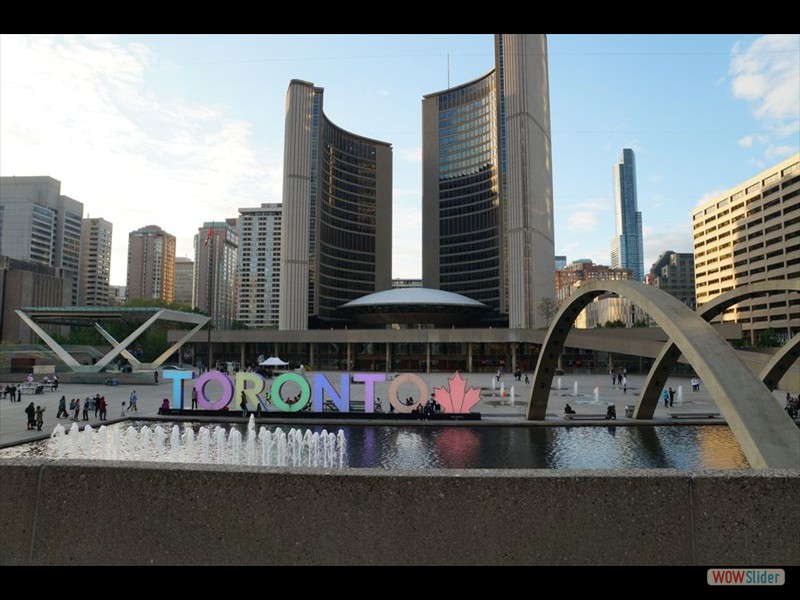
(776, 368)
(669, 355)
(766, 434)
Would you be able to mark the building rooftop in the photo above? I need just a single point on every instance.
(414, 306)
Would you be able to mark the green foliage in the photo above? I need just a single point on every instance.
(616, 324)
(641, 323)
(769, 338)
(159, 303)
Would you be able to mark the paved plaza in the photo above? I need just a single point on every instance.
(494, 407)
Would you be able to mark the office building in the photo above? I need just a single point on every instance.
(184, 280)
(216, 248)
(26, 283)
(627, 249)
(337, 214)
(561, 262)
(117, 295)
(259, 265)
(39, 224)
(95, 262)
(585, 271)
(487, 200)
(151, 264)
(747, 234)
(406, 283)
(673, 272)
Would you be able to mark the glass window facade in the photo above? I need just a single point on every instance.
(470, 218)
(346, 188)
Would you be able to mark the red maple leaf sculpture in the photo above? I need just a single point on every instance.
(457, 399)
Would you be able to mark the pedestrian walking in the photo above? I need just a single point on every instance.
(77, 409)
(133, 399)
(671, 397)
(39, 417)
(62, 408)
(194, 398)
(666, 399)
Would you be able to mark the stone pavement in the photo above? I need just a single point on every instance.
(493, 407)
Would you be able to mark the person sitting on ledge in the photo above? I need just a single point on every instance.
(568, 410)
(611, 412)
(164, 405)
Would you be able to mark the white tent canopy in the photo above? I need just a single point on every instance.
(273, 361)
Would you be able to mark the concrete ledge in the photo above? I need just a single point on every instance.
(68, 512)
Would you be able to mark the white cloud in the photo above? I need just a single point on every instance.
(767, 74)
(595, 204)
(413, 155)
(709, 195)
(406, 237)
(81, 109)
(656, 241)
(780, 151)
(747, 141)
(405, 193)
(583, 221)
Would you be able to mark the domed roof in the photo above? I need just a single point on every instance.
(414, 306)
(414, 296)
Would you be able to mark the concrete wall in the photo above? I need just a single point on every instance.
(74, 512)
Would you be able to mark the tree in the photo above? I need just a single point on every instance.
(615, 324)
(547, 309)
(769, 338)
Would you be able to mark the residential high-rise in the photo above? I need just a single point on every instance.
(561, 261)
(627, 250)
(259, 265)
(216, 248)
(151, 264)
(337, 214)
(747, 234)
(184, 280)
(487, 193)
(39, 224)
(95, 262)
(673, 272)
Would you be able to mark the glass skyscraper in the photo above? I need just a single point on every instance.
(337, 214)
(487, 205)
(627, 246)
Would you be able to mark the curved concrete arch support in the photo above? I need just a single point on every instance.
(776, 368)
(766, 434)
(669, 355)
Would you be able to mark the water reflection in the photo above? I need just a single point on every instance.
(431, 447)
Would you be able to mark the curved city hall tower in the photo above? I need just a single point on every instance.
(337, 214)
(487, 191)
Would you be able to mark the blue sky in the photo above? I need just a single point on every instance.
(179, 129)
